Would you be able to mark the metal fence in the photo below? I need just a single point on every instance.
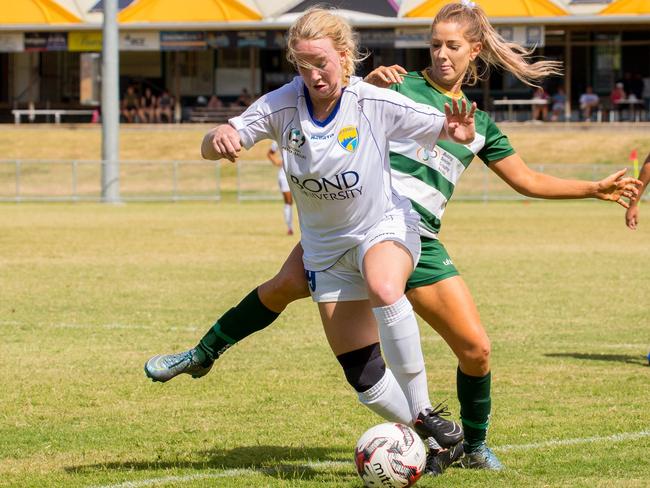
(164, 181)
(24, 180)
(257, 180)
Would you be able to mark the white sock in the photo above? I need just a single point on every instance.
(400, 341)
(387, 400)
(288, 215)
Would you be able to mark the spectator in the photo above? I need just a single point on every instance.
(589, 101)
(557, 104)
(215, 102)
(148, 106)
(244, 99)
(165, 107)
(540, 111)
(646, 95)
(617, 94)
(130, 105)
(636, 86)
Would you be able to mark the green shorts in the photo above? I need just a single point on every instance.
(434, 265)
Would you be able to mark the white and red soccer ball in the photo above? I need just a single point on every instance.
(390, 456)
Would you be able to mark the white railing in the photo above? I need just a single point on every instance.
(25, 180)
(257, 180)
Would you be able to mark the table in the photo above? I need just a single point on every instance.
(511, 102)
(631, 104)
(31, 113)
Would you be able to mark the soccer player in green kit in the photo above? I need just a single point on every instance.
(460, 34)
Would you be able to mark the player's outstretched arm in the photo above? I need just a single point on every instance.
(459, 123)
(385, 76)
(526, 181)
(632, 214)
(221, 142)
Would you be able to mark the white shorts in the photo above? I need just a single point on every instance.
(282, 181)
(344, 281)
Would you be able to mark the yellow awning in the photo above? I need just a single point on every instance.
(627, 7)
(496, 8)
(187, 11)
(35, 12)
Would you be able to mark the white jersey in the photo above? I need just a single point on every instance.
(338, 169)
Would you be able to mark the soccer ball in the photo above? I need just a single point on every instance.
(390, 456)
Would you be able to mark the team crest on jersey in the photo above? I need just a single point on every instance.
(295, 139)
(349, 138)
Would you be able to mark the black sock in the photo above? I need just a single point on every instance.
(475, 406)
(249, 316)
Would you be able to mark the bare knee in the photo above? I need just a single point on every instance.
(283, 289)
(384, 292)
(474, 359)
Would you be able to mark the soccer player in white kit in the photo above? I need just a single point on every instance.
(274, 156)
(360, 239)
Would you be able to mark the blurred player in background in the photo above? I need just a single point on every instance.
(276, 159)
(632, 214)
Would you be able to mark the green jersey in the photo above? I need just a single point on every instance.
(428, 178)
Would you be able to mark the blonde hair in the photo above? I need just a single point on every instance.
(322, 23)
(496, 51)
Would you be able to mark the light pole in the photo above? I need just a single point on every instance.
(110, 105)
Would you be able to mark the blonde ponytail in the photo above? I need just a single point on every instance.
(496, 51)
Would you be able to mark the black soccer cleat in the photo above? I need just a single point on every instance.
(439, 460)
(430, 423)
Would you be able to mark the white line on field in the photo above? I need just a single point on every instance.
(62, 325)
(625, 436)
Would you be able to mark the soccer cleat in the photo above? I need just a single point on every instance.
(649, 359)
(481, 458)
(165, 366)
(439, 460)
(430, 423)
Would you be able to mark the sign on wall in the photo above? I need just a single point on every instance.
(182, 41)
(139, 41)
(46, 41)
(11, 42)
(85, 41)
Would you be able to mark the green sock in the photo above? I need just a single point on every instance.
(475, 406)
(249, 316)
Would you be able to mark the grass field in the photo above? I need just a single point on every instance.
(89, 292)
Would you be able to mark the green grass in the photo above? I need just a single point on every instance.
(89, 292)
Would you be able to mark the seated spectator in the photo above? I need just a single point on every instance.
(589, 102)
(617, 94)
(540, 112)
(148, 106)
(646, 95)
(244, 99)
(215, 102)
(130, 105)
(165, 107)
(558, 100)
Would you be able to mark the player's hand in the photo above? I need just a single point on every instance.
(632, 216)
(616, 187)
(222, 142)
(460, 121)
(384, 76)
